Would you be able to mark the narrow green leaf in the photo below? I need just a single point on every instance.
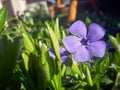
(54, 41)
(88, 76)
(57, 31)
(76, 70)
(25, 58)
(114, 42)
(8, 54)
(47, 63)
(104, 64)
(28, 42)
(116, 81)
(63, 69)
(96, 79)
(3, 17)
(63, 34)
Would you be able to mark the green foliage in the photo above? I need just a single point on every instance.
(25, 62)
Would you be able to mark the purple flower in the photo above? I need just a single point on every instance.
(82, 45)
(63, 54)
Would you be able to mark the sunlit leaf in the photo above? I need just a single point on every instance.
(56, 27)
(88, 76)
(114, 42)
(28, 42)
(75, 69)
(46, 62)
(3, 17)
(54, 41)
(25, 58)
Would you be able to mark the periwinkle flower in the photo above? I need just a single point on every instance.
(63, 54)
(84, 45)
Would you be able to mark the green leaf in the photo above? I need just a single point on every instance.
(3, 17)
(116, 83)
(104, 64)
(63, 34)
(114, 42)
(8, 54)
(28, 42)
(106, 80)
(57, 31)
(36, 72)
(88, 76)
(47, 63)
(54, 41)
(26, 59)
(75, 69)
(96, 79)
(63, 70)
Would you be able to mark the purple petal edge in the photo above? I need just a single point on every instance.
(95, 32)
(97, 48)
(78, 28)
(71, 43)
(82, 55)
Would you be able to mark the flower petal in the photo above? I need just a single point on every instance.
(82, 54)
(97, 48)
(63, 54)
(96, 32)
(51, 53)
(71, 43)
(78, 28)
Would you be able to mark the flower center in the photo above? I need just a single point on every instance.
(84, 42)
